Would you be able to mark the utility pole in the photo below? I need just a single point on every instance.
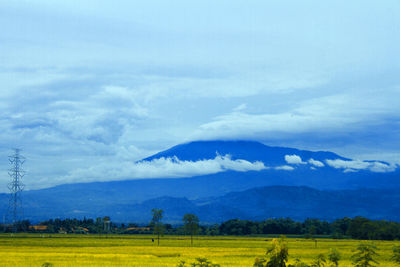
(16, 186)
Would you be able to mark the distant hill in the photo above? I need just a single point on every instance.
(303, 202)
(259, 203)
(285, 169)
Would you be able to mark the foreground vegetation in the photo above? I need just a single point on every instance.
(139, 250)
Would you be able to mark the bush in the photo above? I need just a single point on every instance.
(334, 257)
(200, 262)
(319, 261)
(299, 263)
(364, 255)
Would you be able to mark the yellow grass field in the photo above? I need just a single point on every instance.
(139, 250)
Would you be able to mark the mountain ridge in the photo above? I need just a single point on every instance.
(199, 150)
(260, 203)
(303, 169)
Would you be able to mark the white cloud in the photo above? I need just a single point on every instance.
(294, 159)
(163, 168)
(240, 107)
(382, 167)
(308, 116)
(337, 117)
(356, 165)
(316, 163)
(284, 168)
(348, 164)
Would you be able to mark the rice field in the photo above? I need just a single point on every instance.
(139, 250)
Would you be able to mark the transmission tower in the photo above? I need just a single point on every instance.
(16, 186)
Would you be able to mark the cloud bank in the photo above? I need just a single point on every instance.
(357, 165)
(164, 168)
(346, 165)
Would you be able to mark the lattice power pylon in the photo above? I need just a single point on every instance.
(16, 186)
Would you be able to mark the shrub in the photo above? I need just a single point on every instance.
(396, 254)
(298, 263)
(200, 262)
(319, 261)
(334, 257)
(364, 255)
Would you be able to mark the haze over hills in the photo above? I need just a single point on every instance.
(239, 179)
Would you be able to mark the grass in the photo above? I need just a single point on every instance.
(139, 250)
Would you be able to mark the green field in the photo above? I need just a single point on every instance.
(139, 250)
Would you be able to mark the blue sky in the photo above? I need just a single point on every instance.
(96, 85)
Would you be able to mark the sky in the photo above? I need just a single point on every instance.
(89, 87)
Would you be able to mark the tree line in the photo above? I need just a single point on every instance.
(356, 228)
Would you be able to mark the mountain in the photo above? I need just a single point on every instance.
(237, 166)
(284, 166)
(240, 149)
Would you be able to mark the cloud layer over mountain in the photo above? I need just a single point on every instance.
(164, 168)
(346, 165)
(356, 165)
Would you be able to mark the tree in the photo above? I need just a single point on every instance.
(357, 228)
(191, 225)
(158, 227)
(396, 254)
(278, 254)
(340, 226)
(99, 225)
(107, 224)
(364, 255)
